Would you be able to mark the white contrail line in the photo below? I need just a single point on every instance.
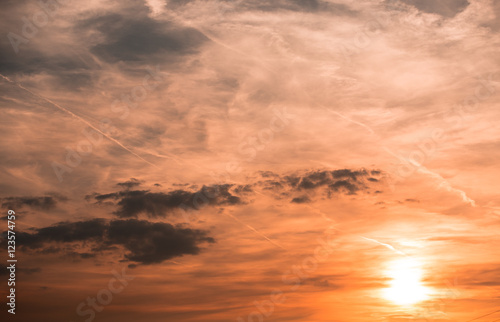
(325, 217)
(369, 239)
(444, 182)
(448, 186)
(385, 245)
(254, 229)
(78, 118)
(351, 120)
(217, 41)
(175, 158)
(482, 316)
(257, 232)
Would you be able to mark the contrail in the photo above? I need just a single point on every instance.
(216, 40)
(257, 232)
(385, 245)
(325, 217)
(78, 118)
(369, 239)
(482, 316)
(180, 264)
(351, 120)
(177, 159)
(313, 208)
(444, 182)
(448, 186)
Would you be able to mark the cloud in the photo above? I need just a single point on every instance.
(65, 71)
(446, 8)
(144, 242)
(412, 200)
(344, 185)
(302, 199)
(26, 270)
(64, 232)
(132, 38)
(60, 69)
(300, 5)
(132, 203)
(38, 203)
(277, 5)
(150, 243)
(133, 182)
(333, 182)
(76, 61)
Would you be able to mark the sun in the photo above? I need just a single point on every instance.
(406, 285)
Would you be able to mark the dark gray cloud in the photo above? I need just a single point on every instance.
(25, 270)
(296, 5)
(344, 185)
(29, 62)
(412, 200)
(132, 203)
(302, 199)
(338, 9)
(147, 242)
(446, 8)
(68, 72)
(133, 182)
(126, 34)
(64, 232)
(38, 203)
(336, 181)
(138, 38)
(314, 180)
(144, 242)
(150, 243)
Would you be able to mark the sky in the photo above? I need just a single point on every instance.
(250, 160)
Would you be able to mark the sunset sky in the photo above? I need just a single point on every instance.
(251, 160)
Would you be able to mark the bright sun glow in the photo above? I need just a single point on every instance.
(406, 285)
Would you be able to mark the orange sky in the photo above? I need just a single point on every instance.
(248, 160)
